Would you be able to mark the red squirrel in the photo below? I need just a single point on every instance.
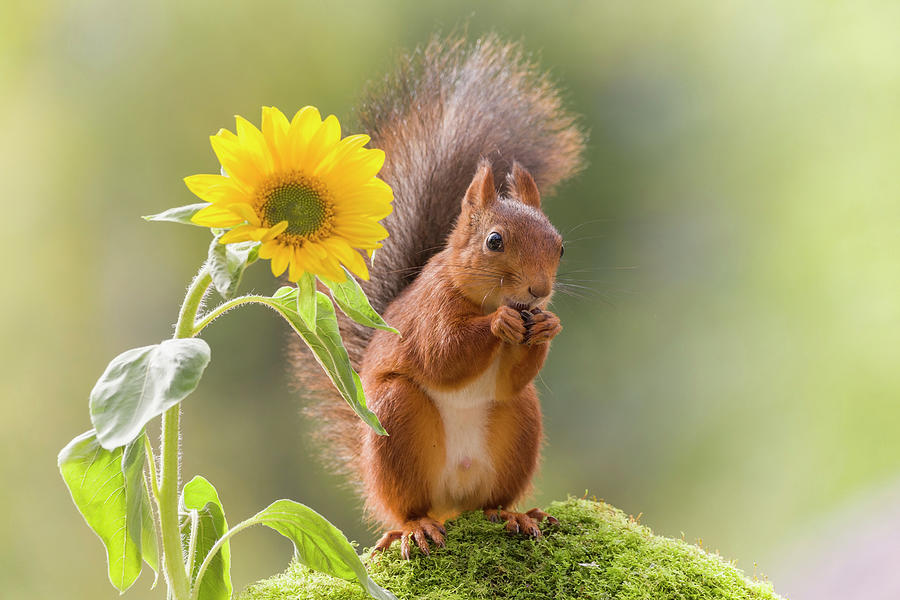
(465, 276)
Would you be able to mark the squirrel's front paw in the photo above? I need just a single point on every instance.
(507, 325)
(541, 327)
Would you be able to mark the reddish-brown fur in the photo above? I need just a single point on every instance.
(455, 321)
(452, 110)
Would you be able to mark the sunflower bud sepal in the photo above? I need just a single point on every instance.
(227, 262)
(178, 214)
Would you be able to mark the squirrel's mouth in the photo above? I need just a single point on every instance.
(520, 306)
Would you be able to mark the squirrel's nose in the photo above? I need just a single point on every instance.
(539, 291)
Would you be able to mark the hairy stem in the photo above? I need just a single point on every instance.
(185, 326)
(215, 549)
(173, 554)
(224, 308)
(192, 546)
(151, 465)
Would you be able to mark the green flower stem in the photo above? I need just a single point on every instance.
(215, 549)
(192, 549)
(173, 554)
(151, 463)
(185, 326)
(224, 308)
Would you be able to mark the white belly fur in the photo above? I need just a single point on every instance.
(468, 473)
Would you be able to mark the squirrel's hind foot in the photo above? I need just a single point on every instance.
(526, 523)
(419, 530)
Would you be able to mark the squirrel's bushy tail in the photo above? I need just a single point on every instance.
(448, 104)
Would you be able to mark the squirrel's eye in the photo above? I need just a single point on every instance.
(494, 242)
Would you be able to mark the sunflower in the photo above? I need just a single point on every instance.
(311, 198)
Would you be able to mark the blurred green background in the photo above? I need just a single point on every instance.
(732, 370)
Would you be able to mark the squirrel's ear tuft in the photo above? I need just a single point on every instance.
(481, 193)
(523, 187)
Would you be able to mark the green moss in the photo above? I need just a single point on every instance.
(595, 552)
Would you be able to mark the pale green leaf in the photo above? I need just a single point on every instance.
(226, 263)
(328, 348)
(179, 214)
(319, 544)
(105, 496)
(200, 497)
(149, 535)
(137, 502)
(354, 303)
(141, 384)
(306, 299)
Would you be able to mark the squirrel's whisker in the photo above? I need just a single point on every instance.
(580, 225)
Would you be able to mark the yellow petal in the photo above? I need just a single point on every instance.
(216, 216)
(355, 171)
(328, 134)
(302, 262)
(317, 251)
(347, 255)
(361, 243)
(245, 210)
(341, 151)
(303, 126)
(280, 260)
(234, 158)
(374, 190)
(268, 249)
(295, 268)
(244, 233)
(275, 231)
(372, 231)
(214, 188)
(370, 212)
(275, 130)
(331, 269)
(254, 143)
(306, 114)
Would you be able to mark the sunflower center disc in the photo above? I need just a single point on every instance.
(300, 205)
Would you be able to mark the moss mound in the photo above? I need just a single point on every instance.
(595, 552)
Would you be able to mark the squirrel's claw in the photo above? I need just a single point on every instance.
(526, 523)
(541, 328)
(507, 324)
(492, 515)
(539, 515)
(419, 531)
(387, 539)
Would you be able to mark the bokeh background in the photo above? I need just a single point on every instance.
(730, 371)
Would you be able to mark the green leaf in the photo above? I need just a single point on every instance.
(306, 299)
(328, 348)
(179, 214)
(319, 544)
(105, 497)
(137, 502)
(200, 497)
(354, 303)
(149, 536)
(227, 262)
(141, 384)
